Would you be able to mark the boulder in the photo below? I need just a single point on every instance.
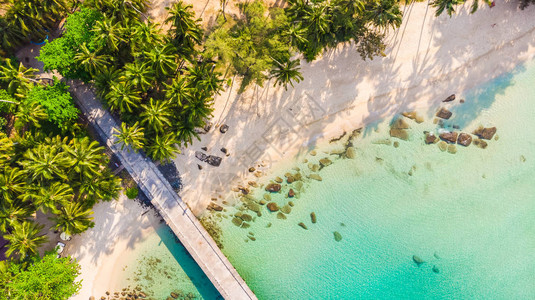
(245, 225)
(174, 295)
(436, 269)
(452, 149)
(223, 128)
(291, 203)
(325, 162)
(290, 179)
(273, 187)
(442, 146)
(350, 152)
(315, 177)
(278, 179)
(480, 143)
(337, 236)
(313, 217)
(237, 221)
(281, 216)
(443, 113)
(214, 206)
(313, 167)
(252, 169)
(430, 138)
(485, 133)
(450, 137)
(413, 116)
(291, 193)
(302, 225)
(246, 217)
(450, 98)
(399, 133)
(286, 209)
(272, 206)
(417, 260)
(214, 160)
(464, 139)
(224, 150)
(400, 123)
(396, 144)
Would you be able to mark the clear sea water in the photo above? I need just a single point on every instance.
(161, 265)
(470, 215)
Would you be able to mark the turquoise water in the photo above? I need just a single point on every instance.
(470, 215)
(162, 265)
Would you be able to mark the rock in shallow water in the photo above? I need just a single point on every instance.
(436, 269)
(417, 260)
(286, 209)
(303, 225)
(350, 152)
(273, 187)
(313, 217)
(281, 216)
(291, 193)
(442, 146)
(272, 206)
(337, 236)
(450, 137)
(444, 113)
(485, 133)
(464, 139)
(324, 162)
(315, 177)
(480, 143)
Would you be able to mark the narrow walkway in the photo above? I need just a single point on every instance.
(175, 212)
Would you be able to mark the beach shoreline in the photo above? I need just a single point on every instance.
(427, 59)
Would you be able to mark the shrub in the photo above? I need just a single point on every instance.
(132, 192)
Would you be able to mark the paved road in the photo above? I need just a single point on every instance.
(175, 212)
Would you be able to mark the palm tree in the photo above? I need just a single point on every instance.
(203, 78)
(157, 115)
(12, 183)
(198, 109)
(385, 14)
(104, 78)
(10, 36)
(17, 78)
(296, 35)
(13, 213)
(448, 5)
(44, 163)
(162, 61)
(109, 31)
(287, 72)
(30, 113)
(73, 218)
(138, 74)
(85, 156)
(90, 61)
(25, 239)
(163, 147)
(145, 35)
(186, 31)
(104, 187)
(178, 91)
(130, 136)
(123, 97)
(6, 149)
(186, 132)
(49, 198)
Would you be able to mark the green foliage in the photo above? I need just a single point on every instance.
(7, 107)
(44, 278)
(132, 192)
(57, 102)
(61, 52)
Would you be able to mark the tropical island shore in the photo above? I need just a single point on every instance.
(426, 60)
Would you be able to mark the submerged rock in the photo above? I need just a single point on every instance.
(290, 203)
(313, 217)
(267, 197)
(436, 269)
(313, 152)
(443, 113)
(291, 193)
(302, 225)
(313, 167)
(273, 187)
(464, 139)
(450, 137)
(246, 217)
(387, 142)
(396, 144)
(400, 123)
(414, 116)
(350, 152)
(480, 143)
(272, 206)
(325, 162)
(442, 146)
(485, 133)
(337, 236)
(430, 138)
(286, 209)
(417, 260)
(278, 179)
(237, 221)
(452, 149)
(281, 216)
(401, 134)
(245, 225)
(315, 177)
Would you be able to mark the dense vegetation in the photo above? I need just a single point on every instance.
(159, 83)
(39, 278)
(259, 45)
(449, 6)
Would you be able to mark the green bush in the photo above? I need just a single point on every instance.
(132, 192)
(6, 107)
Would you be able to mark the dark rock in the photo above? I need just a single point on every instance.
(291, 193)
(417, 260)
(272, 206)
(252, 238)
(223, 128)
(456, 127)
(237, 221)
(252, 169)
(281, 216)
(350, 152)
(396, 144)
(480, 143)
(464, 139)
(204, 148)
(208, 126)
(436, 269)
(462, 100)
(337, 236)
(450, 98)
(290, 179)
(210, 159)
(107, 293)
(224, 150)
(399, 133)
(430, 138)
(273, 187)
(246, 217)
(303, 225)
(313, 217)
(291, 203)
(199, 166)
(174, 295)
(214, 206)
(450, 137)
(444, 113)
(485, 133)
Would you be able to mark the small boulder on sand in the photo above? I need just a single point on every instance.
(272, 206)
(337, 236)
(443, 113)
(273, 187)
(302, 225)
(450, 137)
(430, 138)
(417, 260)
(450, 98)
(480, 143)
(325, 162)
(464, 139)
(350, 152)
(485, 133)
(313, 217)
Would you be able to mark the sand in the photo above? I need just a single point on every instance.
(427, 59)
(104, 250)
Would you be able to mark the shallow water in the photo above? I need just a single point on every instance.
(470, 216)
(161, 265)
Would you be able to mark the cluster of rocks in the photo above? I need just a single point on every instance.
(398, 129)
(419, 262)
(181, 295)
(209, 159)
(125, 294)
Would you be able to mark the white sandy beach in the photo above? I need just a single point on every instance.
(427, 59)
